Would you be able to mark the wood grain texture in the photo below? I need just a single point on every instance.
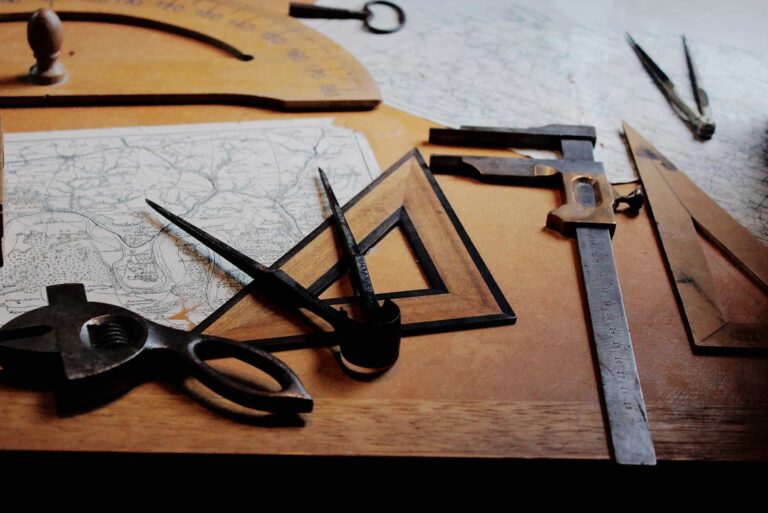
(678, 207)
(466, 295)
(528, 390)
(290, 65)
(522, 429)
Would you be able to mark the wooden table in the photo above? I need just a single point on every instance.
(523, 391)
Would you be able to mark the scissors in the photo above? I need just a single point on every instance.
(701, 122)
(299, 10)
(93, 352)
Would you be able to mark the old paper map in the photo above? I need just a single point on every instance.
(524, 63)
(75, 209)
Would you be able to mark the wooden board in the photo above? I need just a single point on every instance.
(528, 390)
(282, 64)
(678, 207)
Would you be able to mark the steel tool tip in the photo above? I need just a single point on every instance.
(324, 180)
(338, 214)
(155, 206)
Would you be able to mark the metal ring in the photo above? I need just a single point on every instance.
(400, 17)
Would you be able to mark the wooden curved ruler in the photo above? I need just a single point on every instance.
(679, 207)
(222, 51)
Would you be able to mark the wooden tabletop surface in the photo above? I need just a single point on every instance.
(528, 390)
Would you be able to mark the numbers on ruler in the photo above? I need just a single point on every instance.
(208, 15)
(610, 311)
(243, 25)
(169, 5)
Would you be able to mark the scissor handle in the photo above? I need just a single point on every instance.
(291, 398)
(398, 11)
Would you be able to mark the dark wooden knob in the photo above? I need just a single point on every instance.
(45, 35)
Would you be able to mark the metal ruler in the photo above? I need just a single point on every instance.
(627, 418)
(587, 215)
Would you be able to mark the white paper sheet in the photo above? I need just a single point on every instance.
(75, 209)
(526, 63)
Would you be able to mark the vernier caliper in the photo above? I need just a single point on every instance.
(588, 216)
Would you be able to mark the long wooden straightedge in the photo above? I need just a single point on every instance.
(228, 52)
(461, 292)
(677, 206)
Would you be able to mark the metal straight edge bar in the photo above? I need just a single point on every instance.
(624, 403)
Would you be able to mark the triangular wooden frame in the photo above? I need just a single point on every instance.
(461, 293)
(680, 212)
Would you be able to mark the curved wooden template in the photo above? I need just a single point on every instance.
(292, 66)
(134, 21)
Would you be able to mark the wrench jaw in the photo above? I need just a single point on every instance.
(99, 345)
(29, 357)
(78, 396)
(84, 351)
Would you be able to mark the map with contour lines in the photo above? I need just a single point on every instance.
(75, 210)
(526, 63)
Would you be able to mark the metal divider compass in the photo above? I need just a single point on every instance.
(372, 343)
(91, 353)
(701, 122)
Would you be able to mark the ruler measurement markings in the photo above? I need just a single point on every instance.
(613, 345)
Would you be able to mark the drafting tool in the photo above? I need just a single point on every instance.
(588, 215)
(382, 322)
(373, 343)
(94, 352)
(225, 51)
(701, 122)
(679, 207)
(460, 294)
(299, 10)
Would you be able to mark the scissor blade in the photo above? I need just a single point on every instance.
(361, 278)
(277, 283)
(30, 355)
